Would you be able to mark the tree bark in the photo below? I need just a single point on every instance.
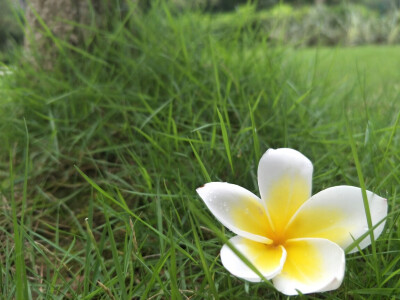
(50, 20)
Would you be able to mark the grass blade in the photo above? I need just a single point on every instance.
(364, 196)
(225, 139)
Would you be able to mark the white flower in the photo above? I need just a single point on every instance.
(290, 237)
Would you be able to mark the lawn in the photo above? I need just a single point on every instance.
(101, 160)
(374, 68)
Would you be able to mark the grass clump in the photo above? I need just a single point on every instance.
(102, 203)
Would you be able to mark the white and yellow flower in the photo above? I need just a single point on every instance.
(290, 237)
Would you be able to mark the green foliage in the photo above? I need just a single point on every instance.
(11, 32)
(102, 203)
(319, 25)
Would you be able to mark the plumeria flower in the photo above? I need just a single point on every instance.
(294, 239)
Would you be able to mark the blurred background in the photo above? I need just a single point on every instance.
(298, 22)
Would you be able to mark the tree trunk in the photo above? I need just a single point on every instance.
(319, 2)
(51, 21)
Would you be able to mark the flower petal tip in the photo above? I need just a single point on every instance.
(205, 186)
(200, 187)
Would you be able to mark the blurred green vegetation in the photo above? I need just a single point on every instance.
(345, 25)
(11, 31)
(381, 6)
(286, 23)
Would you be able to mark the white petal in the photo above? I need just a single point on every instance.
(268, 259)
(337, 281)
(284, 180)
(312, 265)
(338, 214)
(237, 209)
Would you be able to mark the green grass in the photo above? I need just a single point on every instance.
(372, 69)
(120, 138)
